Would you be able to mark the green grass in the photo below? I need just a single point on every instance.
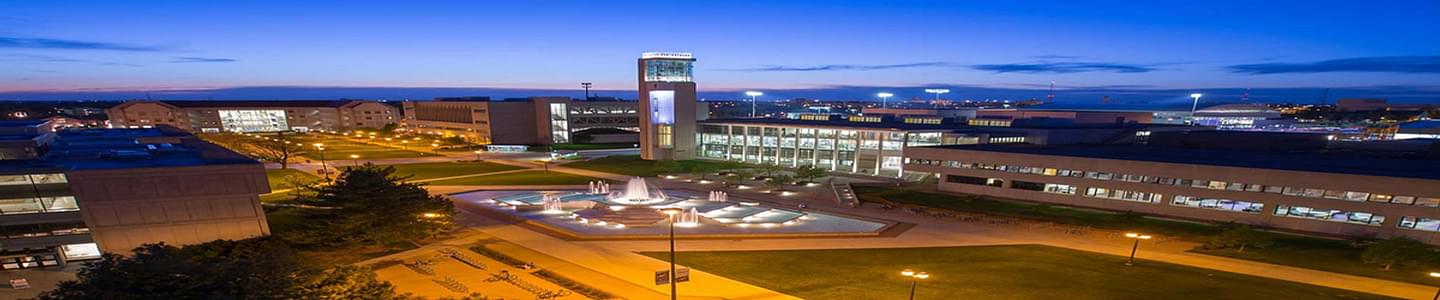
(634, 166)
(1290, 250)
(1326, 255)
(447, 169)
(1058, 214)
(520, 178)
(287, 178)
(340, 149)
(988, 272)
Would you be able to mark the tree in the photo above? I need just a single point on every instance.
(809, 172)
(279, 149)
(1398, 251)
(1239, 236)
(389, 128)
(703, 169)
(369, 205)
(779, 181)
(739, 176)
(257, 268)
(769, 169)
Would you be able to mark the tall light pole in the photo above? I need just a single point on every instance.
(884, 99)
(1137, 237)
(586, 85)
(1195, 104)
(323, 169)
(672, 212)
(915, 278)
(753, 96)
(937, 93)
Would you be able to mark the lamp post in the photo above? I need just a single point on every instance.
(586, 85)
(1137, 237)
(753, 95)
(1437, 292)
(915, 278)
(355, 159)
(937, 93)
(1195, 104)
(884, 99)
(671, 212)
(323, 169)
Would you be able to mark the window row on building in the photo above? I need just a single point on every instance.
(1353, 196)
(32, 179)
(1332, 215)
(38, 205)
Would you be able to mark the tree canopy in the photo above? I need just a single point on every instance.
(257, 268)
(369, 205)
(1399, 251)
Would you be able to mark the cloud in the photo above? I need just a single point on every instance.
(778, 68)
(187, 59)
(1052, 56)
(57, 59)
(1380, 64)
(44, 43)
(1064, 67)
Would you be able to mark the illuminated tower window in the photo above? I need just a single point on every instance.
(666, 137)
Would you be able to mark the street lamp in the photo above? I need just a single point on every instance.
(323, 169)
(586, 85)
(915, 277)
(1137, 238)
(884, 98)
(1195, 104)
(671, 212)
(753, 95)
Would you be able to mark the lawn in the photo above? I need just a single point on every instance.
(988, 272)
(1291, 250)
(447, 169)
(591, 146)
(634, 166)
(339, 149)
(287, 178)
(520, 178)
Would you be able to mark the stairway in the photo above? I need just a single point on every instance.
(844, 195)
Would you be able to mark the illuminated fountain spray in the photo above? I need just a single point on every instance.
(688, 218)
(551, 203)
(637, 192)
(599, 187)
(719, 196)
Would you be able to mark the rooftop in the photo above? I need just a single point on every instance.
(1345, 162)
(901, 126)
(92, 149)
(256, 103)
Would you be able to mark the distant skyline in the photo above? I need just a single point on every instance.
(1155, 51)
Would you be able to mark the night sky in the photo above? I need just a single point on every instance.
(1130, 50)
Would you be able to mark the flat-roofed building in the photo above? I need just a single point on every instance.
(520, 121)
(1337, 193)
(255, 116)
(875, 145)
(111, 190)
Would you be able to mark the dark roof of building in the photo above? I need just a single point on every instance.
(257, 103)
(1344, 162)
(25, 123)
(91, 149)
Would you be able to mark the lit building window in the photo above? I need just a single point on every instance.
(1332, 215)
(1218, 204)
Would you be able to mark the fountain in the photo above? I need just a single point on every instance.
(551, 205)
(718, 196)
(637, 192)
(599, 187)
(689, 218)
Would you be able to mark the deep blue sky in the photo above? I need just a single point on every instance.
(1132, 50)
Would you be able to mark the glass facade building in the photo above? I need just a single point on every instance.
(859, 150)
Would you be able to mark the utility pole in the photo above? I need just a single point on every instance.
(586, 85)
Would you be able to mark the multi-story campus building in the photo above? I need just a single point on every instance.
(255, 116)
(875, 145)
(89, 191)
(668, 98)
(527, 121)
(1284, 181)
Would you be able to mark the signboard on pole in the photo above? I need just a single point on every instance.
(662, 277)
(682, 275)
